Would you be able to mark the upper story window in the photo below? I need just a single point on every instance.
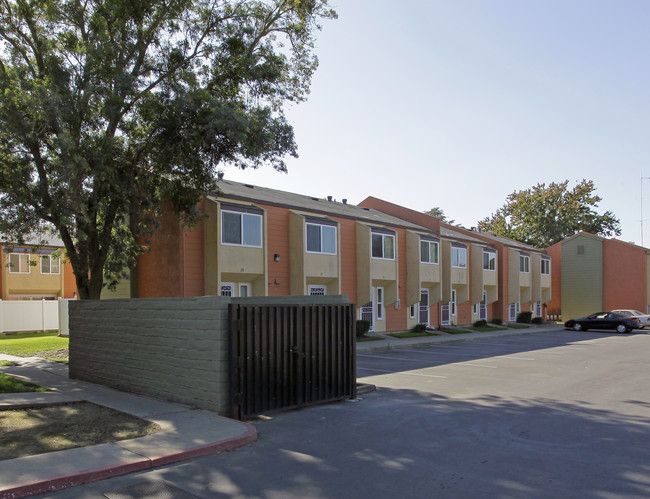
(383, 245)
(524, 264)
(489, 260)
(459, 256)
(241, 227)
(321, 238)
(546, 266)
(50, 265)
(19, 263)
(429, 251)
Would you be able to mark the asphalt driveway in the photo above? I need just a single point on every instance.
(553, 414)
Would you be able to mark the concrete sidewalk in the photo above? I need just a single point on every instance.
(185, 433)
(386, 342)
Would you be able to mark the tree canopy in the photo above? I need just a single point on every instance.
(544, 215)
(439, 213)
(110, 109)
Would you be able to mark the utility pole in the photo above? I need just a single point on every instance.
(642, 179)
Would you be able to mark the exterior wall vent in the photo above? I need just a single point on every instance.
(581, 249)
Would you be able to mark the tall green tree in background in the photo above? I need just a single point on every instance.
(544, 215)
(110, 108)
(438, 213)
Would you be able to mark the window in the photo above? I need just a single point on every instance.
(241, 228)
(383, 246)
(19, 263)
(524, 264)
(412, 311)
(321, 239)
(428, 251)
(316, 290)
(489, 260)
(380, 304)
(452, 303)
(546, 266)
(458, 256)
(244, 290)
(50, 265)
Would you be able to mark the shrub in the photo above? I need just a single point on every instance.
(524, 317)
(480, 323)
(419, 328)
(362, 328)
(537, 320)
(497, 321)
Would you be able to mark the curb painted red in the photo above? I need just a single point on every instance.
(89, 476)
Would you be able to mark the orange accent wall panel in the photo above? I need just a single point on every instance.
(193, 280)
(349, 259)
(277, 226)
(624, 283)
(555, 305)
(160, 270)
(69, 281)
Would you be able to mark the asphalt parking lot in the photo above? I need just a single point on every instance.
(552, 414)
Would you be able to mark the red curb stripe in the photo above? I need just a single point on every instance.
(73, 479)
(89, 476)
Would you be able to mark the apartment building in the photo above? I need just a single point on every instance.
(592, 274)
(35, 271)
(506, 277)
(256, 241)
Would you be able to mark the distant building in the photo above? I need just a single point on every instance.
(593, 274)
(35, 271)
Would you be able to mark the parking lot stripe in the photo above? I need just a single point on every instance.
(401, 372)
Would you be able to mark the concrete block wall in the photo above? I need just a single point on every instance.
(175, 349)
(171, 348)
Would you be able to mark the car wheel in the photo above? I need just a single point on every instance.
(622, 328)
(577, 327)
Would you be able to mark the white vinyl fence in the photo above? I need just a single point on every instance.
(34, 315)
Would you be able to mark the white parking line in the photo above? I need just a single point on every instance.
(400, 372)
(426, 361)
(429, 352)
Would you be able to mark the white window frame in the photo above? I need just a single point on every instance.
(453, 308)
(322, 233)
(21, 258)
(456, 252)
(247, 287)
(227, 285)
(383, 245)
(428, 252)
(380, 303)
(491, 262)
(242, 217)
(412, 310)
(545, 265)
(316, 287)
(524, 264)
(51, 259)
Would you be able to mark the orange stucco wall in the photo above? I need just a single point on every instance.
(554, 306)
(277, 220)
(160, 270)
(69, 281)
(624, 271)
(348, 258)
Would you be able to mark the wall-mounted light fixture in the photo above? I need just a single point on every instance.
(276, 257)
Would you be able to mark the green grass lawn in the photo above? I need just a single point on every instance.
(9, 384)
(517, 326)
(487, 328)
(411, 334)
(368, 338)
(46, 345)
(454, 331)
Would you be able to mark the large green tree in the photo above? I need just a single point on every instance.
(437, 212)
(110, 109)
(544, 215)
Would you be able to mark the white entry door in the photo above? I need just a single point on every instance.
(424, 307)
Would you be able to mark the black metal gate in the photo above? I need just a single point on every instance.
(290, 356)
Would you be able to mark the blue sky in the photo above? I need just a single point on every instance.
(458, 103)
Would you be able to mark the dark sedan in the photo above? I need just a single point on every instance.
(604, 320)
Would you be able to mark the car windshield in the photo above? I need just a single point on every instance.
(627, 313)
(636, 312)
